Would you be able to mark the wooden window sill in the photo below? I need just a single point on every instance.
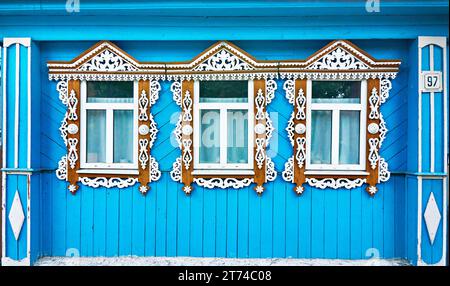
(109, 171)
(223, 172)
(337, 172)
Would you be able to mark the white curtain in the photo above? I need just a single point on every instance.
(209, 136)
(96, 136)
(123, 136)
(237, 136)
(349, 137)
(321, 137)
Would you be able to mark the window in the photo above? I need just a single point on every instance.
(108, 124)
(336, 121)
(223, 125)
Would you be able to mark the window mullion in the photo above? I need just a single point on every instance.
(335, 137)
(109, 135)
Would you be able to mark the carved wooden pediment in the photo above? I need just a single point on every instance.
(104, 61)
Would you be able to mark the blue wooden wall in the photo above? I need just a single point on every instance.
(225, 223)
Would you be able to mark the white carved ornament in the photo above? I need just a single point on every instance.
(143, 106)
(63, 129)
(155, 173)
(223, 61)
(143, 153)
(61, 172)
(61, 87)
(382, 129)
(155, 88)
(288, 172)
(107, 61)
(271, 173)
(269, 129)
(72, 155)
(223, 182)
(383, 172)
(72, 106)
(260, 103)
(153, 130)
(271, 87)
(300, 105)
(108, 182)
(289, 87)
(260, 155)
(385, 86)
(335, 183)
(374, 104)
(175, 88)
(344, 75)
(187, 119)
(374, 157)
(175, 174)
(300, 155)
(338, 59)
(187, 107)
(187, 155)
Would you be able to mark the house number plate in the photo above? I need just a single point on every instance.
(431, 81)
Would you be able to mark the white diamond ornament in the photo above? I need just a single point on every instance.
(16, 216)
(432, 217)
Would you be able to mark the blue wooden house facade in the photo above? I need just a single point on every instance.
(341, 109)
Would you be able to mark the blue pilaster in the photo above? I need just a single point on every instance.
(429, 162)
(21, 187)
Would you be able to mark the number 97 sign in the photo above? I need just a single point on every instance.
(431, 81)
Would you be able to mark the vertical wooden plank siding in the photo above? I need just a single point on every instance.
(138, 226)
(99, 227)
(318, 224)
(226, 222)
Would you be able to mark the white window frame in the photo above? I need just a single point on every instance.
(335, 123)
(109, 108)
(223, 107)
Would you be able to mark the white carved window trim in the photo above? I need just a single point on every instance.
(336, 108)
(223, 107)
(109, 107)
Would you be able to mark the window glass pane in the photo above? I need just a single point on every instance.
(209, 150)
(336, 91)
(349, 137)
(110, 91)
(96, 136)
(321, 137)
(237, 136)
(224, 91)
(123, 136)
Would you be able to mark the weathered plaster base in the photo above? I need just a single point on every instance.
(190, 261)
